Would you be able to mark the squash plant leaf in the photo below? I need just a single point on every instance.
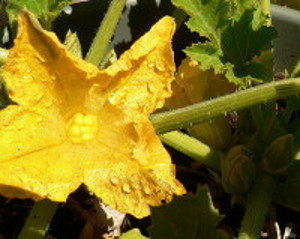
(192, 216)
(207, 17)
(237, 34)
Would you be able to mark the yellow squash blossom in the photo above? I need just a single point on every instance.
(75, 124)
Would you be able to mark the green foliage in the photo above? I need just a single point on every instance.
(287, 192)
(296, 70)
(132, 234)
(237, 33)
(4, 97)
(45, 10)
(208, 18)
(193, 216)
(72, 43)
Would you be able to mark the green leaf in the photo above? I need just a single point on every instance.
(132, 234)
(209, 55)
(208, 17)
(240, 42)
(296, 70)
(192, 216)
(287, 193)
(237, 34)
(4, 97)
(45, 10)
(72, 43)
(240, 6)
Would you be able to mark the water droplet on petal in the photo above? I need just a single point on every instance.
(160, 66)
(147, 190)
(114, 180)
(68, 10)
(18, 153)
(126, 188)
(151, 65)
(26, 79)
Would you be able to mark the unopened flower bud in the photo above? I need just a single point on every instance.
(216, 132)
(278, 156)
(238, 170)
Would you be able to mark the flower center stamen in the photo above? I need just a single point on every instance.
(82, 128)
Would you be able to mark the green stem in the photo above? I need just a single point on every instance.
(193, 148)
(266, 8)
(38, 221)
(179, 16)
(257, 206)
(99, 46)
(197, 113)
(257, 118)
(3, 55)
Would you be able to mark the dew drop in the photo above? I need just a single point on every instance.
(68, 10)
(151, 65)
(126, 188)
(160, 66)
(114, 180)
(134, 183)
(26, 79)
(147, 190)
(18, 153)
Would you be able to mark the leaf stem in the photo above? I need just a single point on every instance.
(257, 205)
(266, 7)
(200, 112)
(98, 48)
(179, 16)
(38, 221)
(193, 148)
(257, 118)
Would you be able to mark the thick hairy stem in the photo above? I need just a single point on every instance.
(200, 112)
(257, 206)
(106, 30)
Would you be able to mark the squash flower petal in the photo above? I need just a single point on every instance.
(76, 124)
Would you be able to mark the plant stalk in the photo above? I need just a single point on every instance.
(193, 148)
(38, 221)
(106, 30)
(266, 7)
(257, 206)
(200, 112)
